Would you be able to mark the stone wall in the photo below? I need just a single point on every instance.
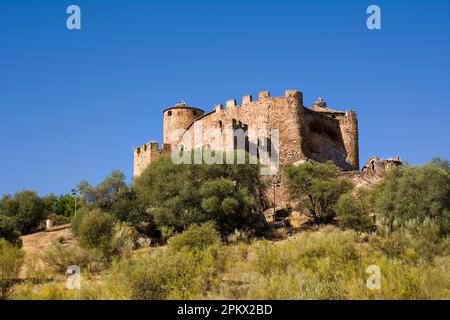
(147, 153)
(178, 117)
(317, 134)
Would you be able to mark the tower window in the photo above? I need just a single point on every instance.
(169, 113)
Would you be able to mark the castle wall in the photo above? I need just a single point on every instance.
(349, 130)
(324, 140)
(178, 118)
(147, 153)
(317, 134)
(266, 113)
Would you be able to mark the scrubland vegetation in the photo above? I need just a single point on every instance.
(210, 240)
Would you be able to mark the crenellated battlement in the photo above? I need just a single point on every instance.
(148, 152)
(318, 133)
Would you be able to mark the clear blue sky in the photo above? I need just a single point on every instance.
(74, 103)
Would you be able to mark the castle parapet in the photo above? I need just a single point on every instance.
(146, 153)
(247, 99)
(263, 95)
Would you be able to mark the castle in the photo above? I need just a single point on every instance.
(304, 134)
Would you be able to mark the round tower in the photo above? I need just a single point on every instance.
(180, 116)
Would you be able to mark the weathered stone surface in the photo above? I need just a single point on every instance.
(316, 134)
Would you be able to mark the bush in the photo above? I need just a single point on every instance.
(8, 230)
(76, 220)
(26, 209)
(96, 233)
(11, 259)
(124, 239)
(58, 220)
(317, 188)
(353, 212)
(177, 196)
(413, 242)
(59, 257)
(196, 237)
(239, 236)
(408, 193)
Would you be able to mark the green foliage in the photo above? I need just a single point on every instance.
(196, 237)
(317, 186)
(408, 193)
(8, 230)
(165, 274)
(176, 196)
(26, 209)
(124, 239)
(58, 257)
(58, 220)
(63, 205)
(103, 195)
(239, 236)
(11, 259)
(96, 233)
(414, 242)
(353, 211)
(441, 162)
(76, 220)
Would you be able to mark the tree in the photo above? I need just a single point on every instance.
(176, 196)
(26, 209)
(8, 230)
(317, 187)
(96, 232)
(103, 195)
(414, 193)
(353, 211)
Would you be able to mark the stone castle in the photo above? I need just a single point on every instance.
(318, 133)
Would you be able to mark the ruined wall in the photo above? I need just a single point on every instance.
(348, 126)
(323, 139)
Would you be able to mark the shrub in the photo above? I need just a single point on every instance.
(26, 209)
(177, 196)
(59, 257)
(11, 259)
(408, 193)
(96, 232)
(58, 219)
(124, 239)
(36, 272)
(353, 212)
(8, 230)
(317, 187)
(196, 237)
(160, 275)
(239, 236)
(413, 242)
(76, 220)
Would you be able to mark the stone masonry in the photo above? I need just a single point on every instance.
(305, 134)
